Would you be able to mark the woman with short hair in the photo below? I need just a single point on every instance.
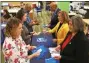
(14, 48)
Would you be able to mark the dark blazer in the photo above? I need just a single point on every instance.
(26, 35)
(30, 29)
(77, 51)
(54, 19)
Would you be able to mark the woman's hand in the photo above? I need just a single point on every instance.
(54, 40)
(45, 32)
(37, 33)
(57, 57)
(58, 48)
(31, 47)
(36, 54)
(32, 32)
(35, 22)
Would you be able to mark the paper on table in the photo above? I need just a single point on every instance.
(40, 50)
(54, 52)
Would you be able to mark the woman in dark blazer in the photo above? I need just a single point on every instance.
(21, 14)
(75, 47)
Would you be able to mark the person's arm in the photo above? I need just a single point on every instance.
(30, 47)
(8, 49)
(25, 34)
(26, 37)
(82, 51)
(33, 22)
(51, 26)
(54, 29)
(36, 54)
(30, 23)
(63, 33)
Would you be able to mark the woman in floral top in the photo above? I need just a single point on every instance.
(14, 48)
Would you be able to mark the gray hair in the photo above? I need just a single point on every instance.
(78, 23)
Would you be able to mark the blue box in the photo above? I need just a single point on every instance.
(51, 60)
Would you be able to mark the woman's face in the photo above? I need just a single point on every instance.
(70, 26)
(17, 31)
(60, 18)
(24, 17)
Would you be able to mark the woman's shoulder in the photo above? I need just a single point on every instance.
(65, 25)
(8, 38)
(81, 36)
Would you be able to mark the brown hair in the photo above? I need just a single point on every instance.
(65, 16)
(78, 23)
(20, 13)
(7, 15)
(12, 24)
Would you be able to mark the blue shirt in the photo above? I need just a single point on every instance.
(28, 18)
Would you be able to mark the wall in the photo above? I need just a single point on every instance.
(64, 5)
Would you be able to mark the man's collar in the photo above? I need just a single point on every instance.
(55, 10)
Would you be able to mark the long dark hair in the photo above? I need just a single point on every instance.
(20, 13)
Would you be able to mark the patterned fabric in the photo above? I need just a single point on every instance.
(15, 50)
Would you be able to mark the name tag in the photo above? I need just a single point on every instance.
(70, 43)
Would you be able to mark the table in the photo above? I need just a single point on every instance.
(86, 21)
(13, 10)
(86, 7)
(42, 39)
(71, 14)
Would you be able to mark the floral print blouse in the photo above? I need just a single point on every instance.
(15, 50)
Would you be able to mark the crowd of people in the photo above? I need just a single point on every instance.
(68, 34)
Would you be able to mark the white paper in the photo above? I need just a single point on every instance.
(40, 50)
(54, 52)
